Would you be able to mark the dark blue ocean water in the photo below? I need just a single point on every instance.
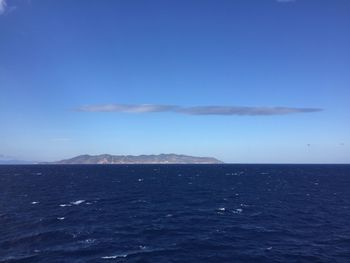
(175, 213)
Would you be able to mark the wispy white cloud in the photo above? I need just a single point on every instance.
(138, 108)
(3, 6)
(196, 110)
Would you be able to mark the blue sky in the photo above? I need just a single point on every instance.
(248, 81)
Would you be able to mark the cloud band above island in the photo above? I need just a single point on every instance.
(196, 110)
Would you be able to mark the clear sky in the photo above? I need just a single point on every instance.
(248, 81)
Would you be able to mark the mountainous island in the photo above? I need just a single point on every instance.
(140, 159)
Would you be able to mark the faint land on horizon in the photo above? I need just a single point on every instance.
(140, 159)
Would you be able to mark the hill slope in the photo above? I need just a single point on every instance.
(140, 159)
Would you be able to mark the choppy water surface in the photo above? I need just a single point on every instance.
(175, 213)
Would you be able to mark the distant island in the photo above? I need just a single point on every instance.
(140, 159)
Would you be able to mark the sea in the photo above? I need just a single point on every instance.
(175, 213)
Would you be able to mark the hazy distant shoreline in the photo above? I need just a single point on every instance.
(139, 159)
